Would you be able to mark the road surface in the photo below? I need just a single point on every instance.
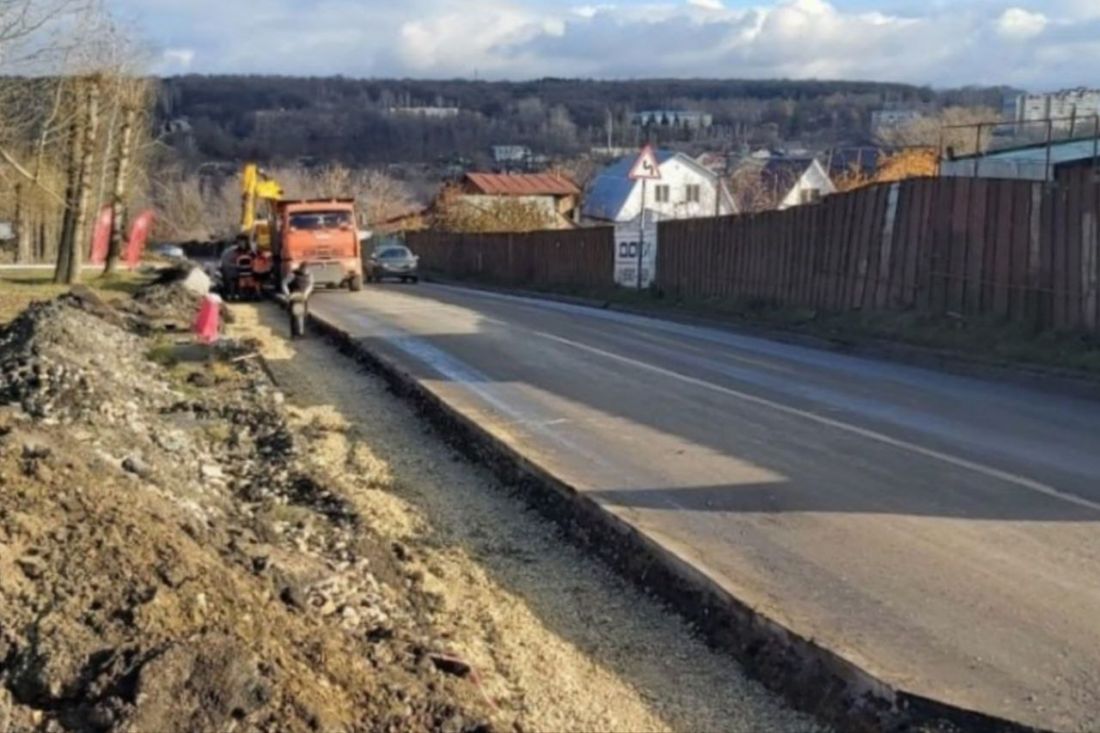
(942, 532)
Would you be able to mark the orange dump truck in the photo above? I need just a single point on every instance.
(321, 233)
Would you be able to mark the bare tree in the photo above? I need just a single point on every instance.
(954, 128)
(82, 155)
(378, 197)
(77, 129)
(119, 212)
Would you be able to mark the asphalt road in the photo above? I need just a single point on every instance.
(941, 531)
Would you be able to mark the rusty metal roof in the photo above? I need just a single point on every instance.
(522, 184)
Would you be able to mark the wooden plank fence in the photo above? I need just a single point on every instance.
(575, 259)
(1023, 251)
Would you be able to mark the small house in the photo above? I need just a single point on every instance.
(511, 156)
(685, 190)
(786, 182)
(554, 194)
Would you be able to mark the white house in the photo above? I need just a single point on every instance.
(685, 190)
(788, 182)
(511, 154)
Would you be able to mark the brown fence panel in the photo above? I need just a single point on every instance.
(861, 260)
(1092, 258)
(580, 258)
(1060, 246)
(1018, 279)
(956, 246)
(872, 258)
(975, 254)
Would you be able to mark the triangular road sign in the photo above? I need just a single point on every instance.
(646, 166)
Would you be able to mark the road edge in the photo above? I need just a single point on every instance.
(812, 678)
(1033, 376)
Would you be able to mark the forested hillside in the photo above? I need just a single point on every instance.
(367, 122)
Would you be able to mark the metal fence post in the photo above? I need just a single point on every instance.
(1050, 136)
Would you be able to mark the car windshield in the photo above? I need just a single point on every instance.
(394, 253)
(315, 220)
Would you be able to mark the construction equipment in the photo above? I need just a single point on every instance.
(249, 263)
(321, 233)
(256, 188)
(277, 235)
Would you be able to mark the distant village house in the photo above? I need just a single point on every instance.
(690, 119)
(511, 154)
(1069, 108)
(781, 183)
(554, 197)
(435, 113)
(884, 121)
(686, 190)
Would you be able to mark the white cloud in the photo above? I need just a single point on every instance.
(178, 59)
(590, 11)
(941, 43)
(1020, 24)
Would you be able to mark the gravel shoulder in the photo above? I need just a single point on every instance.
(556, 641)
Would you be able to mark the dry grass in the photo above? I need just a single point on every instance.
(21, 287)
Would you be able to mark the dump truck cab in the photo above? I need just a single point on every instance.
(322, 233)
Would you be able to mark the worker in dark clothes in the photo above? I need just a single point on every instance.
(297, 286)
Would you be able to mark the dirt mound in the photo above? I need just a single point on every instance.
(171, 300)
(57, 361)
(168, 562)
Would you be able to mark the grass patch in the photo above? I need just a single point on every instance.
(21, 287)
(166, 355)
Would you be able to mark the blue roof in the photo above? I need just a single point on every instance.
(609, 191)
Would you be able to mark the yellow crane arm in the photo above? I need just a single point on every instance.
(255, 187)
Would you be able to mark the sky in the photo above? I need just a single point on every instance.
(1033, 44)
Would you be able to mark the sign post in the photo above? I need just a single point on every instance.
(646, 168)
(629, 238)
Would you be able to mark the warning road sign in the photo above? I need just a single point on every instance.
(646, 167)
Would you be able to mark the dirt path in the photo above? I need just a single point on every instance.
(559, 642)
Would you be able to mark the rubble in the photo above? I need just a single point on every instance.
(168, 560)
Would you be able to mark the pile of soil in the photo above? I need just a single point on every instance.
(169, 561)
(167, 303)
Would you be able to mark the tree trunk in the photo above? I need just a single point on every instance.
(22, 230)
(40, 243)
(119, 213)
(63, 271)
(84, 184)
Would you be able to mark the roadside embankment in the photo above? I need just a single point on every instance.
(172, 560)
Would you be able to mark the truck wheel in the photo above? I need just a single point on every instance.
(355, 284)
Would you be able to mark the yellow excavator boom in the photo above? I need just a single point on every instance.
(256, 186)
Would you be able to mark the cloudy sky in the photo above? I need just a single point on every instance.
(1036, 44)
